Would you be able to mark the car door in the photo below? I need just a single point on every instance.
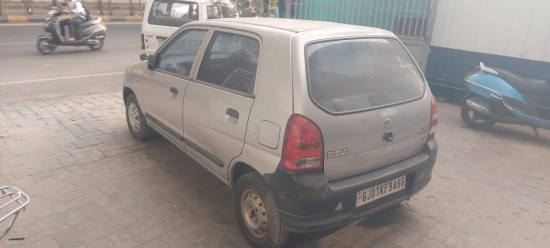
(217, 106)
(165, 85)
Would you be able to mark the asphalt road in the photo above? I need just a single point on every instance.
(27, 74)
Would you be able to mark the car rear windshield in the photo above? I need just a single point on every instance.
(358, 74)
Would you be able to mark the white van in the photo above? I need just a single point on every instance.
(163, 17)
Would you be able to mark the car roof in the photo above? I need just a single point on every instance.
(294, 25)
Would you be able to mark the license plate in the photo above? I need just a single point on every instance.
(384, 189)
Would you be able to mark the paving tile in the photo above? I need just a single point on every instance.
(92, 185)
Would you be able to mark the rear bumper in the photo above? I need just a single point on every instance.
(309, 203)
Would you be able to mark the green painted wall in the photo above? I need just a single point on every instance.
(376, 13)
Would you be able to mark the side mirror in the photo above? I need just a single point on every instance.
(151, 62)
(143, 56)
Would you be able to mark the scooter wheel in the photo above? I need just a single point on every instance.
(474, 119)
(44, 46)
(97, 46)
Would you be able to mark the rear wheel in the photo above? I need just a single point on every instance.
(257, 214)
(97, 46)
(135, 119)
(474, 119)
(44, 46)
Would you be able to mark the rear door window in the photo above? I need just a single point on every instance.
(230, 61)
(358, 74)
(173, 13)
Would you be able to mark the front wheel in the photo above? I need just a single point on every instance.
(474, 119)
(257, 214)
(97, 46)
(44, 46)
(135, 119)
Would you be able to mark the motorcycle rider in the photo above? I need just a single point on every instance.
(77, 17)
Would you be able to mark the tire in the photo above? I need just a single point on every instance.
(474, 119)
(137, 124)
(98, 46)
(44, 47)
(257, 213)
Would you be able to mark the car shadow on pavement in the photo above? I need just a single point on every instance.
(366, 230)
(308, 240)
(387, 217)
(520, 134)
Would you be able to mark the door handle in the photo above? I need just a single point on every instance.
(173, 90)
(233, 113)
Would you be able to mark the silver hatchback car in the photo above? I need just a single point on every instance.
(312, 124)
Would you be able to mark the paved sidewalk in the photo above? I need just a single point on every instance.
(92, 185)
(13, 19)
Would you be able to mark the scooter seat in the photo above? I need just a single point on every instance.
(523, 83)
(86, 24)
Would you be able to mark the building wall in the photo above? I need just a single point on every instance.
(509, 34)
(512, 28)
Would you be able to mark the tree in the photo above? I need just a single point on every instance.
(248, 8)
(100, 6)
(28, 6)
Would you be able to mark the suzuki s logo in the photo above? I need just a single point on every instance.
(387, 122)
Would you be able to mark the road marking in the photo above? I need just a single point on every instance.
(16, 43)
(60, 78)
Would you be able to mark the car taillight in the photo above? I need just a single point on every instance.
(433, 120)
(302, 145)
(142, 42)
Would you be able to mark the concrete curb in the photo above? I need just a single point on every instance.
(12, 19)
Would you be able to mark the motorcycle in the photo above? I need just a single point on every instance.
(90, 33)
(495, 95)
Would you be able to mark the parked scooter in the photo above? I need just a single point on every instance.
(91, 33)
(495, 95)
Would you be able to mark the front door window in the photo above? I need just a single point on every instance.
(177, 58)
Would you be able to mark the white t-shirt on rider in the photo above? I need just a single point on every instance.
(76, 9)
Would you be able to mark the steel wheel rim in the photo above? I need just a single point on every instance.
(45, 46)
(254, 213)
(133, 117)
(475, 116)
(98, 45)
